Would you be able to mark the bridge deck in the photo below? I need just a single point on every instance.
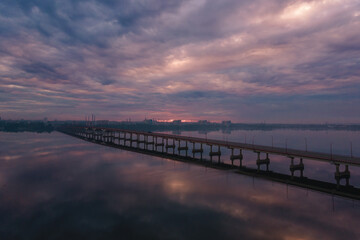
(332, 158)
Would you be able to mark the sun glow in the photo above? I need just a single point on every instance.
(171, 120)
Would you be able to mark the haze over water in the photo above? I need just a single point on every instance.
(53, 186)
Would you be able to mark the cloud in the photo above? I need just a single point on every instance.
(191, 49)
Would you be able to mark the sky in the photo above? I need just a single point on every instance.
(272, 61)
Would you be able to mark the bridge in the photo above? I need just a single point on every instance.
(193, 149)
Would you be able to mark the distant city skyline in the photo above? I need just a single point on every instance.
(272, 61)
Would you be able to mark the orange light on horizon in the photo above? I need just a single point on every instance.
(171, 120)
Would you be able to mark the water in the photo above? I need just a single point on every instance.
(53, 186)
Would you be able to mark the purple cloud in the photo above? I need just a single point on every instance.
(278, 61)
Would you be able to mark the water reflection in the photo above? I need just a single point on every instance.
(54, 186)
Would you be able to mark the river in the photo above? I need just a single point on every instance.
(53, 186)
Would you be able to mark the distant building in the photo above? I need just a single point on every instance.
(176, 122)
(149, 121)
(203, 122)
(226, 123)
(102, 122)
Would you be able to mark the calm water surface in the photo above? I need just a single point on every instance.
(53, 186)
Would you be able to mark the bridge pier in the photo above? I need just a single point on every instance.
(340, 175)
(109, 136)
(94, 135)
(149, 143)
(170, 146)
(121, 137)
(132, 140)
(260, 161)
(211, 154)
(198, 150)
(234, 157)
(105, 137)
(296, 167)
(100, 136)
(128, 139)
(112, 138)
(139, 141)
(157, 144)
(184, 148)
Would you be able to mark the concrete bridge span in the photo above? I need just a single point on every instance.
(192, 148)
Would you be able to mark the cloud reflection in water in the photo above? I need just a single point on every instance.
(72, 189)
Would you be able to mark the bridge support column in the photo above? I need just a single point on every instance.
(340, 175)
(107, 137)
(218, 153)
(157, 144)
(185, 148)
(167, 144)
(170, 146)
(139, 141)
(162, 144)
(173, 146)
(234, 157)
(149, 143)
(296, 167)
(198, 150)
(145, 142)
(131, 140)
(260, 161)
(104, 136)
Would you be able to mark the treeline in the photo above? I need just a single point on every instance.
(140, 126)
(209, 127)
(25, 126)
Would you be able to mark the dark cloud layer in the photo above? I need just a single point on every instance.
(257, 60)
